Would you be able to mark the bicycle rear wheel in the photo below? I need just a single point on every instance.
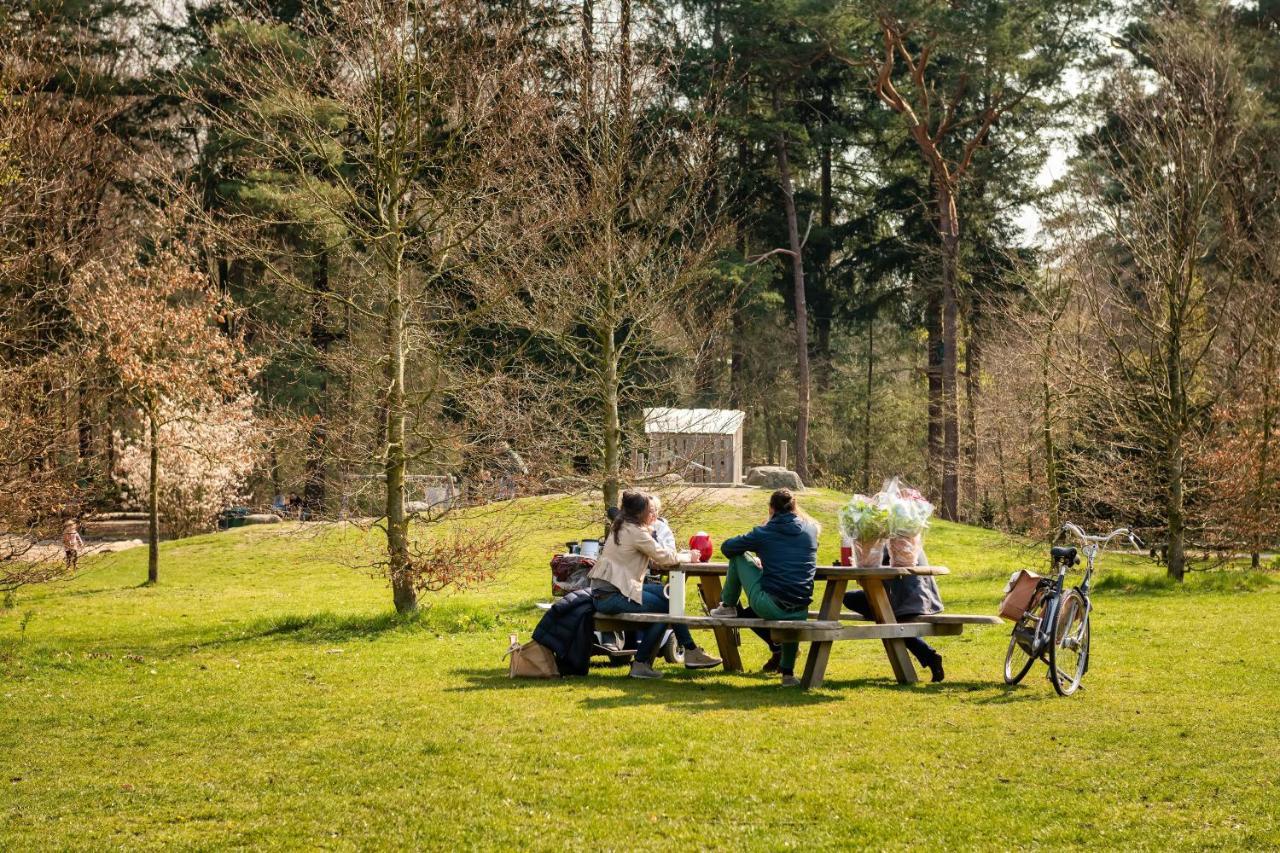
(1069, 654)
(1021, 653)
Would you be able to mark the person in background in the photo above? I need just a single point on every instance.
(909, 596)
(778, 580)
(662, 532)
(618, 586)
(72, 544)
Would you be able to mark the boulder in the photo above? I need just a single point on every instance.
(261, 518)
(774, 477)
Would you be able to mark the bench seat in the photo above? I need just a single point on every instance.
(935, 619)
(959, 619)
(714, 621)
(788, 630)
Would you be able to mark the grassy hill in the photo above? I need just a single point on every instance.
(263, 695)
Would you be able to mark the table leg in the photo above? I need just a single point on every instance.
(882, 611)
(710, 589)
(815, 664)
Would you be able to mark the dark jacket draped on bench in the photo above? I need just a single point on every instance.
(568, 629)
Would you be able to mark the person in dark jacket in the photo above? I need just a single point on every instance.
(778, 579)
(568, 629)
(909, 596)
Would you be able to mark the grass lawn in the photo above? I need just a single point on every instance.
(264, 696)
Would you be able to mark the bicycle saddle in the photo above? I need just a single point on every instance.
(1063, 554)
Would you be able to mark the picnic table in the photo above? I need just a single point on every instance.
(824, 627)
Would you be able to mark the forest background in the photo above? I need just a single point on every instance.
(256, 248)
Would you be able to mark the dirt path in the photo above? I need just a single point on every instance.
(51, 549)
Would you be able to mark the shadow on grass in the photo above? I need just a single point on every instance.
(694, 691)
(328, 627)
(1034, 687)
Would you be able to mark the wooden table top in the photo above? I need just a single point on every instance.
(826, 572)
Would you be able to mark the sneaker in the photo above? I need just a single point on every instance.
(936, 672)
(789, 680)
(725, 611)
(643, 670)
(773, 664)
(698, 659)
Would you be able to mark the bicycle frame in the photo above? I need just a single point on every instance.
(1037, 639)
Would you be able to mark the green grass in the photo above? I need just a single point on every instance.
(263, 695)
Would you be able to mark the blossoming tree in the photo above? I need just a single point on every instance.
(205, 455)
(161, 337)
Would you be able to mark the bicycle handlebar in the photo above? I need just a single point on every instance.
(1100, 541)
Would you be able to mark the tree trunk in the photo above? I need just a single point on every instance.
(737, 359)
(395, 461)
(1262, 485)
(950, 310)
(933, 374)
(1046, 432)
(1004, 484)
(1174, 461)
(802, 315)
(822, 322)
(314, 487)
(153, 498)
(588, 56)
(612, 422)
(866, 417)
(972, 370)
(1176, 560)
(624, 60)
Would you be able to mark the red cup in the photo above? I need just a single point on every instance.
(846, 551)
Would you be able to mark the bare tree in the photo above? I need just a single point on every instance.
(156, 328)
(55, 170)
(416, 126)
(622, 278)
(1161, 277)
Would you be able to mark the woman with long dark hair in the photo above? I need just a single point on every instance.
(617, 583)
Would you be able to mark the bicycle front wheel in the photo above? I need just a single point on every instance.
(1022, 641)
(1069, 654)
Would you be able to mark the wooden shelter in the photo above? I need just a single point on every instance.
(701, 445)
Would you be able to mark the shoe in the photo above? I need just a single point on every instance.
(773, 664)
(936, 672)
(789, 680)
(698, 659)
(643, 670)
(725, 611)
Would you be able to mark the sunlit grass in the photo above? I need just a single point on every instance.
(265, 695)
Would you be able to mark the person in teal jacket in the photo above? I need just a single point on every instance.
(774, 564)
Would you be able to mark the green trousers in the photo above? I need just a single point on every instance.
(745, 575)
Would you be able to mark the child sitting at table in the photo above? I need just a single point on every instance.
(778, 579)
(658, 526)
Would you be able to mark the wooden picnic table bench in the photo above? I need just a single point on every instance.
(826, 625)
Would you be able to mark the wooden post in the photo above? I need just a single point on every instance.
(883, 613)
(782, 454)
(815, 664)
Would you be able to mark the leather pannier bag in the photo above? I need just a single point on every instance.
(531, 660)
(1018, 594)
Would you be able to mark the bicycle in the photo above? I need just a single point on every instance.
(1055, 626)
